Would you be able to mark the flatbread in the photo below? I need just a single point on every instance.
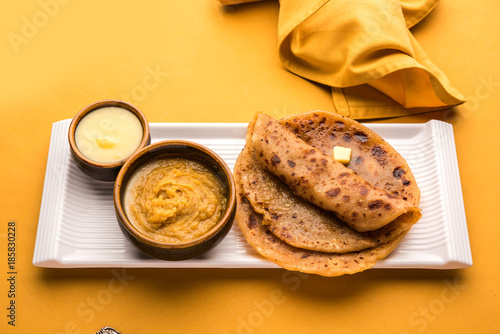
(373, 158)
(325, 182)
(298, 235)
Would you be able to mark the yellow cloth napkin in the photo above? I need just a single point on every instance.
(364, 50)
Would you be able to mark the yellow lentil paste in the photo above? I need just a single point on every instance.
(175, 200)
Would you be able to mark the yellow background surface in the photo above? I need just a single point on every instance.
(192, 61)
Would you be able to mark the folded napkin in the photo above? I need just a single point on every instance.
(364, 50)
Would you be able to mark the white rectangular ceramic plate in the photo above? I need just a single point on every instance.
(77, 225)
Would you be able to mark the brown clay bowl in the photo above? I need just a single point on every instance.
(184, 250)
(104, 171)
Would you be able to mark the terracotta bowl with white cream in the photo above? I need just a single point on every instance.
(103, 135)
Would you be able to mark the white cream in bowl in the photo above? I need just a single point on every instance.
(108, 134)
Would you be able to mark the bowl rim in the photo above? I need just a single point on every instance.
(154, 149)
(101, 104)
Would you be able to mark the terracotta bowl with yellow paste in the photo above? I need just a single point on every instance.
(175, 199)
(104, 134)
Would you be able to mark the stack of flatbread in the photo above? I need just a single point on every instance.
(305, 211)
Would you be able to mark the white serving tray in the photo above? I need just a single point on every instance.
(77, 226)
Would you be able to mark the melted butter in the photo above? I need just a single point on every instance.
(174, 200)
(108, 134)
